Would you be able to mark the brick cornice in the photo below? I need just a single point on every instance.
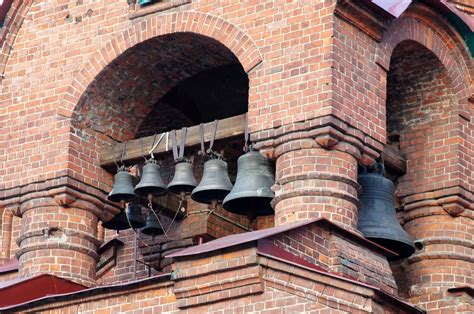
(328, 132)
(361, 16)
(455, 201)
(440, 255)
(46, 232)
(63, 191)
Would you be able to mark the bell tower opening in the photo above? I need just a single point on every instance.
(421, 116)
(157, 86)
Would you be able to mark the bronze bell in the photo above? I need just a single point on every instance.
(215, 183)
(183, 181)
(377, 217)
(152, 227)
(134, 214)
(252, 194)
(122, 191)
(119, 222)
(150, 183)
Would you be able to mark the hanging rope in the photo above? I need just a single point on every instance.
(178, 149)
(142, 149)
(201, 137)
(209, 152)
(246, 134)
(184, 131)
(155, 145)
(124, 148)
(213, 137)
(115, 158)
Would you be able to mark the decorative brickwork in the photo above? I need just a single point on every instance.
(327, 84)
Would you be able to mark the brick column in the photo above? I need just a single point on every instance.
(6, 234)
(59, 234)
(316, 178)
(444, 233)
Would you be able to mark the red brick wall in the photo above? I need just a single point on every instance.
(339, 254)
(419, 106)
(317, 87)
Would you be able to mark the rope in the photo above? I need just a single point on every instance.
(115, 158)
(182, 143)
(155, 145)
(246, 134)
(213, 137)
(201, 130)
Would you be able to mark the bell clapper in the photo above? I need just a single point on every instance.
(182, 202)
(150, 206)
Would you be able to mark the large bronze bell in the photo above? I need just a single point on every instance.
(122, 191)
(134, 214)
(152, 227)
(377, 217)
(252, 194)
(150, 183)
(183, 181)
(215, 183)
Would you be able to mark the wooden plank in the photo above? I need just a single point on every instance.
(394, 160)
(226, 128)
(230, 127)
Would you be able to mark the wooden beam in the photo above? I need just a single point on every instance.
(226, 128)
(394, 160)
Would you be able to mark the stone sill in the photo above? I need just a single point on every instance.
(138, 11)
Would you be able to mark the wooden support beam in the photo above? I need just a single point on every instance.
(230, 127)
(394, 160)
(226, 128)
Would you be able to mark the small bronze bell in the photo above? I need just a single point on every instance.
(122, 191)
(153, 227)
(134, 214)
(252, 194)
(150, 183)
(183, 181)
(119, 222)
(377, 216)
(215, 183)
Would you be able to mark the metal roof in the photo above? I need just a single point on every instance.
(22, 290)
(61, 295)
(11, 265)
(241, 238)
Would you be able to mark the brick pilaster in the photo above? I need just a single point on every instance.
(58, 230)
(444, 257)
(316, 170)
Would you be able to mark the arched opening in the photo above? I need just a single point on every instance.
(162, 84)
(420, 105)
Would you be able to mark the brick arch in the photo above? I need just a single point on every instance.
(13, 22)
(419, 25)
(238, 42)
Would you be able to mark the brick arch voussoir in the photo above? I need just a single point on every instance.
(438, 42)
(12, 25)
(229, 35)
